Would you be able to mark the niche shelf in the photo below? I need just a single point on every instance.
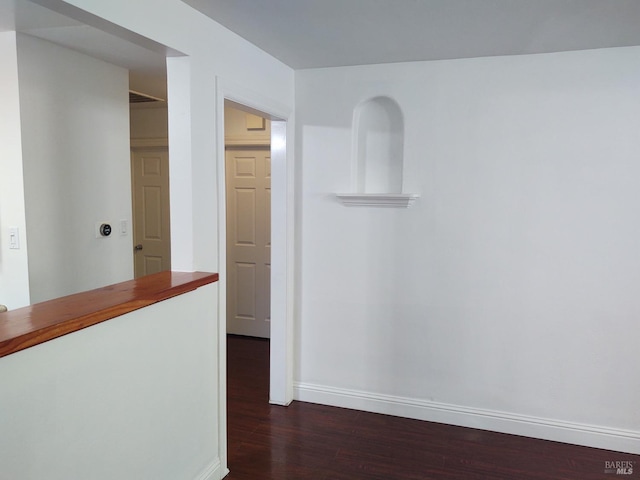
(397, 200)
(377, 157)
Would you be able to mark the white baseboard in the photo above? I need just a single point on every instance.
(528, 426)
(213, 471)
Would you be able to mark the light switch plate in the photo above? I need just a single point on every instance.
(14, 238)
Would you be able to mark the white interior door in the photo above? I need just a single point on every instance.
(151, 230)
(248, 176)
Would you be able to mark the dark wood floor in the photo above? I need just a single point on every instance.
(307, 441)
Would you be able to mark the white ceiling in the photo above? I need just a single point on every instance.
(321, 33)
(324, 33)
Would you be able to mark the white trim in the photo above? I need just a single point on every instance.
(397, 200)
(504, 422)
(212, 472)
(281, 351)
(222, 282)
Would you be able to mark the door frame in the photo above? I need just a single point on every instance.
(282, 239)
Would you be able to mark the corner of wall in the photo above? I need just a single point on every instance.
(14, 268)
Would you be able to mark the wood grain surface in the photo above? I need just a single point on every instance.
(305, 441)
(41, 322)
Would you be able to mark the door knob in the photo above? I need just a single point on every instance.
(138, 247)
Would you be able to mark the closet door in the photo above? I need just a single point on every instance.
(151, 228)
(248, 177)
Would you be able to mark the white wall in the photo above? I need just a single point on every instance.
(212, 56)
(75, 139)
(506, 297)
(130, 398)
(14, 272)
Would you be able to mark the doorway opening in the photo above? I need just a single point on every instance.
(247, 167)
(255, 159)
(248, 199)
(149, 174)
(280, 226)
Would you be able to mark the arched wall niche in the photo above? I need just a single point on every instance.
(378, 155)
(378, 131)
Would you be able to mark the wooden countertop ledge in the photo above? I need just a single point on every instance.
(38, 323)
